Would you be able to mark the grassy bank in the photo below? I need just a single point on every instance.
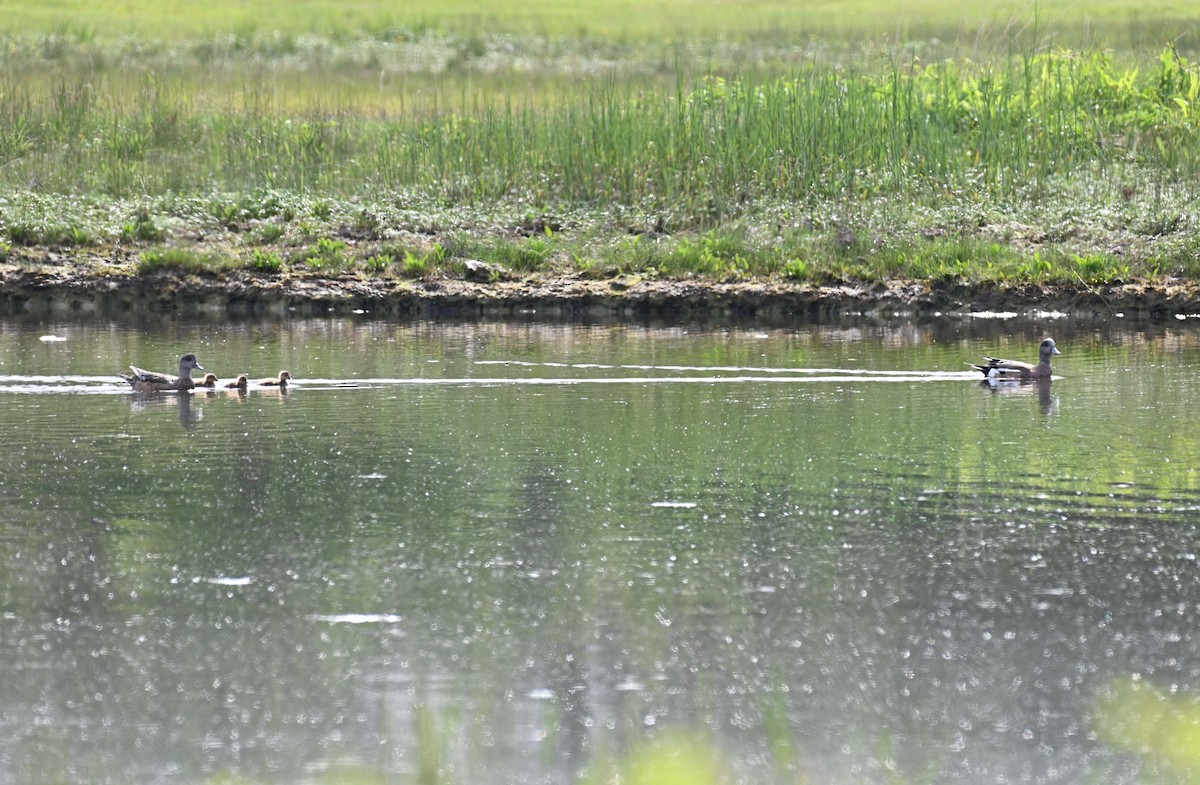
(1119, 23)
(402, 145)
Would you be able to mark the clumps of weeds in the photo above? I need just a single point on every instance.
(416, 265)
(321, 209)
(1160, 224)
(326, 256)
(421, 265)
(1181, 258)
(380, 263)
(530, 254)
(721, 254)
(493, 251)
(1037, 268)
(1102, 268)
(185, 260)
(269, 233)
(236, 212)
(591, 267)
(541, 224)
(717, 254)
(467, 50)
(635, 253)
(228, 214)
(365, 226)
(24, 234)
(142, 228)
(410, 262)
(535, 254)
(307, 230)
(796, 270)
(953, 258)
(262, 261)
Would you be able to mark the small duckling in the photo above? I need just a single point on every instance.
(210, 381)
(239, 383)
(282, 381)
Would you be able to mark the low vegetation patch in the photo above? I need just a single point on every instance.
(183, 260)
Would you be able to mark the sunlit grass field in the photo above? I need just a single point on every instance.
(816, 141)
(1122, 23)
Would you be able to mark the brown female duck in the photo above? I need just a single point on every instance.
(142, 380)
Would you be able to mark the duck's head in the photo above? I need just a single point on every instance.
(1047, 350)
(189, 362)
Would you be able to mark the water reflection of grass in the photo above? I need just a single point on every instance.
(1162, 727)
(675, 758)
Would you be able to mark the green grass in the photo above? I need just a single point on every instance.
(997, 129)
(233, 23)
(807, 141)
(265, 261)
(326, 255)
(182, 260)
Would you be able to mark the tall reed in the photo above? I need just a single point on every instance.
(706, 147)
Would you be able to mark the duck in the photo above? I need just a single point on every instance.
(1015, 370)
(142, 380)
(239, 383)
(210, 381)
(282, 380)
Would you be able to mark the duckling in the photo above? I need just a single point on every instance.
(210, 381)
(281, 381)
(239, 383)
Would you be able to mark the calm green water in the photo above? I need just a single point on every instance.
(545, 554)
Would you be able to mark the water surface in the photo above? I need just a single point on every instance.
(527, 553)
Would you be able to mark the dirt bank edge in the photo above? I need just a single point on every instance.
(66, 290)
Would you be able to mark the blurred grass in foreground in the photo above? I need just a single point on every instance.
(1162, 728)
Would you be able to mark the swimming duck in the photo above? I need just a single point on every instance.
(210, 381)
(238, 383)
(996, 368)
(282, 381)
(148, 381)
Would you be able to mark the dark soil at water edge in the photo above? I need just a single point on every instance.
(68, 289)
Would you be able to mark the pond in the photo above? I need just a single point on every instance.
(548, 553)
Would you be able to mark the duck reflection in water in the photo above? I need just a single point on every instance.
(189, 415)
(1039, 387)
(273, 392)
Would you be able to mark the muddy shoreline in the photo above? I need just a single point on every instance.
(69, 290)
